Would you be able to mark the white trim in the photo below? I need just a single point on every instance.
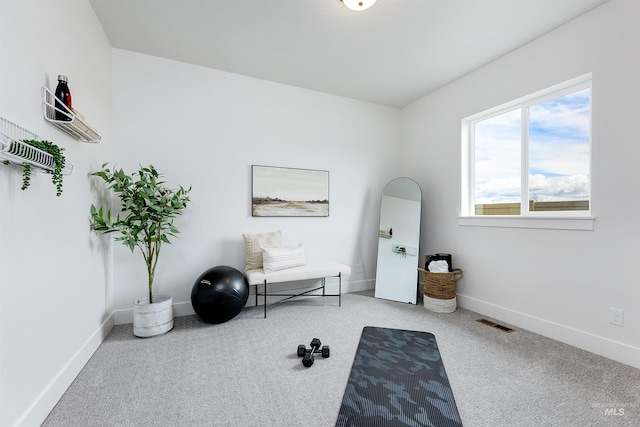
(125, 316)
(40, 408)
(586, 223)
(592, 343)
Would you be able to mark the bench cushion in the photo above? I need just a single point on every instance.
(305, 272)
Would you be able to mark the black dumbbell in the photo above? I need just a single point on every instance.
(301, 350)
(307, 353)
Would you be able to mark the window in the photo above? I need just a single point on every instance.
(531, 157)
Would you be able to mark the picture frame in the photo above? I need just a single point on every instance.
(289, 192)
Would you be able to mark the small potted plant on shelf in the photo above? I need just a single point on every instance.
(145, 221)
(55, 168)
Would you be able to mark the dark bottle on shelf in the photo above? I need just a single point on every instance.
(63, 97)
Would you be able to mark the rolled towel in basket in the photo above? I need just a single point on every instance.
(439, 266)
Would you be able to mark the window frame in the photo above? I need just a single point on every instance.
(570, 220)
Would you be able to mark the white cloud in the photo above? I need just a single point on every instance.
(571, 187)
(501, 190)
(541, 189)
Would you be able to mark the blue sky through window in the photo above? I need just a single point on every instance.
(559, 152)
(559, 148)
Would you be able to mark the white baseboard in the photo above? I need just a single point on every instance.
(360, 285)
(602, 346)
(51, 394)
(122, 317)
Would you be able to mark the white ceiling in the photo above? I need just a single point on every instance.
(393, 53)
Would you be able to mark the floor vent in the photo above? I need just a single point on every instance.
(495, 325)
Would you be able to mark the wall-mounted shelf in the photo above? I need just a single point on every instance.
(75, 126)
(13, 150)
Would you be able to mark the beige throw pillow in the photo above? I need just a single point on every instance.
(252, 244)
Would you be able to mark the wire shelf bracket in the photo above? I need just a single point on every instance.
(16, 152)
(74, 126)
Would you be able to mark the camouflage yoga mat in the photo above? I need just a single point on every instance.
(397, 379)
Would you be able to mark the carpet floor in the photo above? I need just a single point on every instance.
(246, 372)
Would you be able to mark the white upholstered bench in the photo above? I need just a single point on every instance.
(258, 277)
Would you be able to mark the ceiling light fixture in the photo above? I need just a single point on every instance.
(358, 4)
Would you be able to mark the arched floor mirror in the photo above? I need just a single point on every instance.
(399, 240)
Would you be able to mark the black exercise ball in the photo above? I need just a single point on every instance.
(219, 294)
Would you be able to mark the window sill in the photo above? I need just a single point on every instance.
(551, 223)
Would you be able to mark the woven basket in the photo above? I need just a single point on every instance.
(440, 305)
(440, 290)
(440, 285)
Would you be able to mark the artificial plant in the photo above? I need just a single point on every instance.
(146, 214)
(58, 162)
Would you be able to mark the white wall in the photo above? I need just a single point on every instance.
(55, 298)
(205, 128)
(558, 283)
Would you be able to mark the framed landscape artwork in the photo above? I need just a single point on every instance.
(280, 191)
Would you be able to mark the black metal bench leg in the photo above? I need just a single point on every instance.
(265, 299)
(323, 287)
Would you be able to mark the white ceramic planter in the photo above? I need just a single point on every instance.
(152, 319)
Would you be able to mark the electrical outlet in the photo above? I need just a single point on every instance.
(616, 316)
(358, 268)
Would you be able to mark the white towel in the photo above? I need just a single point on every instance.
(439, 266)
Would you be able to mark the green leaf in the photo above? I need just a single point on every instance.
(147, 210)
